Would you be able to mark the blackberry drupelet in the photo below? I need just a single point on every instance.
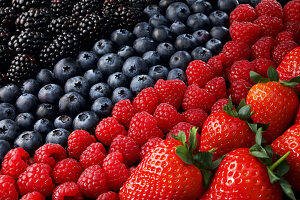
(5, 3)
(7, 16)
(5, 58)
(84, 7)
(5, 35)
(63, 24)
(61, 7)
(24, 5)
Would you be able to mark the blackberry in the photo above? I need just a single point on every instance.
(61, 7)
(22, 67)
(63, 24)
(5, 3)
(5, 58)
(85, 7)
(5, 35)
(24, 5)
(7, 16)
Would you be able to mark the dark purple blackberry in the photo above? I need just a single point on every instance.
(7, 16)
(22, 67)
(61, 7)
(90, 28)
(5, 35)
(5, 58)
(5, 3)
(24, 5)
(85, 7)
(63, 24)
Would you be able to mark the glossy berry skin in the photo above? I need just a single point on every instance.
(50, 154)
(29, 141)
(290, 141)
(50, 93)
(140, 82)
(146, 100)
(86, 121)
(180, 59)
(109, 63)
(177, 11)
(103, 46)
(161, 165)
(9, 93)
(33, 196)
(120, 93)
(117, 79)
(148, 146)
(26, 103)
(71, 104)
(274, 104)
(43, 126)
(58, 136)
(43, 77)
(177, 74)
(220, 33)
(87, 60)
(67, 190)
(225, 133)
(157, 72)
(9, 130)
(93, 76)
(67, 170)
(64, 122)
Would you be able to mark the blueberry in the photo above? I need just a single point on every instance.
(126, 52)
(117, 79)
(27, 103)
(185, 42)
(151, 58)
(142, 29)
(25, 121)
(46, 110)
(43, 126)
(122, 37)
(120, 93)
(220, 32)
(214, 45)
(133, 66)
(202, 36)
(71, 104)
(165, 3)
(50, 93)
(93, 76)
(140, 82)
(9, 93)
(191, 2)
(102, 107)
(144, 44)
(65, 69)
(177, 73)
(87, 60)
(109, 63)
(152, 10)
(4, 148)
(158, 72)
(244, 2)
(9, 130)
(165, 50)
(87, 120)
(157, 20)
(58, 136)
(29, 141)
(218, 18)
(103, 46)
(198, 21)
(201, 53)
(45, 76)
(227, 5)
(31, 86)
(201, 6)
(161, 33)
(180, 59)
(64, 122)
(178, 11)
(255, 2)
(99, 90)
(178, 28)
(7, 111)
(77, 84)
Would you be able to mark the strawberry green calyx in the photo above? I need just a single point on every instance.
(243, 111)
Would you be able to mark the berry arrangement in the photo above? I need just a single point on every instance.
(169, 110)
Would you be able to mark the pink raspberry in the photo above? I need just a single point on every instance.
(93, 155)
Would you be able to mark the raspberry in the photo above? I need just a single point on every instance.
(123, 111)
(284, 36)
(50, 154)
(270, 8)
(263, 48)
(148, 146)
(261, 66)
(7, 188)
(78, 141)
(240, 70)
(243, 13)
(108, 196)
(269, 26)
(198, 72)
(68, 190)
(196, 97)
(170, 91)
(116, 171)
(127, 146)
(218, 106)
(67, 170)
(246, 32)
(146, 100)
(239, 90)
(291, 11)
(167, 117)
(36, 177)
(234, 51)
(196, 117)
(15, 162)
(217, 87)
(281, 50)
(131, 169)
(92, 182)
(93, 155)
(215, 64)
(293, 27)
(143, 126)
(33, 196)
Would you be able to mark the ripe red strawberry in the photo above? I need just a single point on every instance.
(196, 97)
(243, 13)
(170, 91)
(281, 50)
(240, 70)
(269, 25)
(148, 146)
(7, 188)
(284, 36)
(218, 105)
(146, 100)
(108, 129)
(68, 190)
(297, 120)
(123, 111)
(217, 87)
(93, 155)
(246, 32)
(261, 66)
(263, 48)
(50, 154)
(291, 11)
(108, 196)
(215, 64)
(195, 117)
(198, 72)
(269, 8)
(33, 196)
(238, 90)
(67, 170)
(143, 126)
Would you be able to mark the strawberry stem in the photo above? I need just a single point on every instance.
(280, 160)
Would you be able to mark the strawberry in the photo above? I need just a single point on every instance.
(273, 102)
(297, 120)
(281, 50)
